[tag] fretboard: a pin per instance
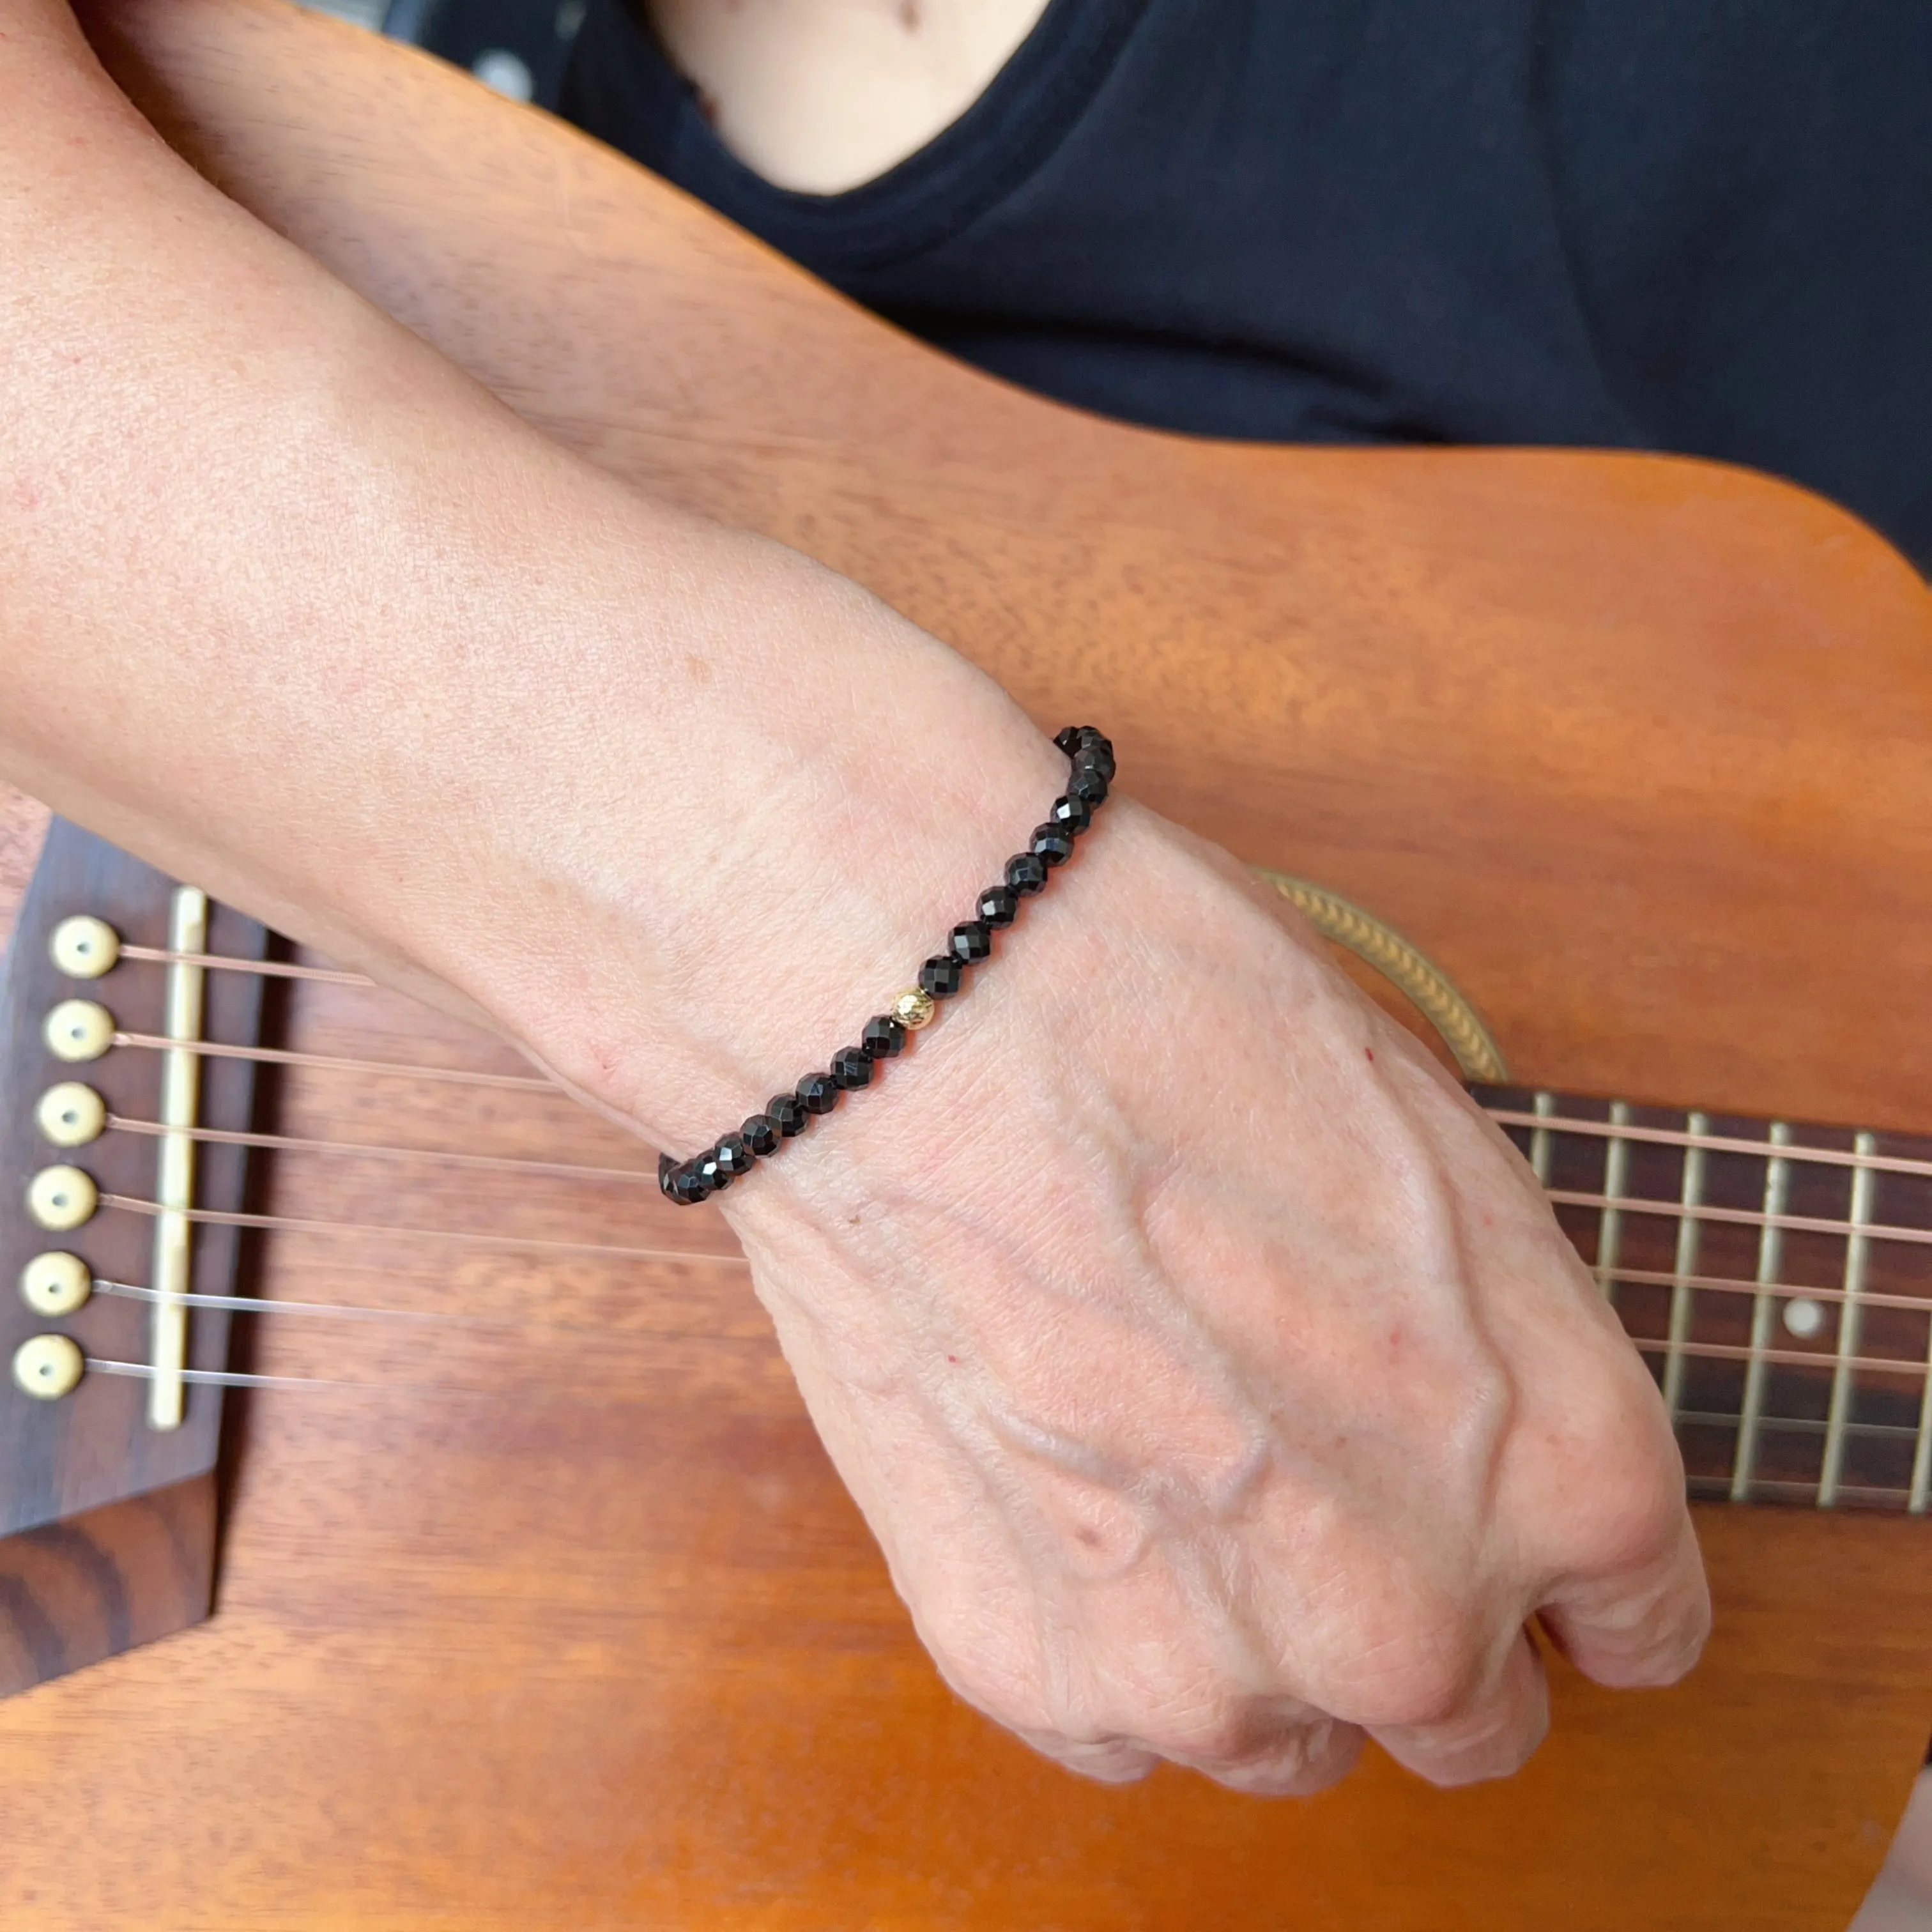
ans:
(1778, 1278)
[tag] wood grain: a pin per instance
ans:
(568, 1622)
(571, 1624)
(105, 1581)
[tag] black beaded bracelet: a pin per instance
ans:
(789, 1114)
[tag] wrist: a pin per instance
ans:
(764, 861)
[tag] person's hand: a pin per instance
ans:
(1213, 1374)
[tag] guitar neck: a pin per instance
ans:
(1778, 1278)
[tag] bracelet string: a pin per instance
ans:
(787, 1115)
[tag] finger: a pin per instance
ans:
(1638, 1625)
(1491, 1736)
(1307, 1757)
(1107, 1760)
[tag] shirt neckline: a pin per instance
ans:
(1021, 116)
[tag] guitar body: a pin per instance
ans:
(565, 1621)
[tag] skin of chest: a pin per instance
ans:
(822, 95)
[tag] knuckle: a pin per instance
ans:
(1215, 1733)
(1632, 1516)
(1415, 1678)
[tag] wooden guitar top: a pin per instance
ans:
(590, 1636)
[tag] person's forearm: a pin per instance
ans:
(292, 606)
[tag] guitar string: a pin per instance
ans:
(278, 1056)
(1503, 1116)
(262, 1304)
(296, 1144)
(244, 1378)
(1548, 1123)
(267, 969)
(570, 1170)
(1617, 1132)
(1793, 1154)
(1650, 1345)
(1627, 1204)
(1738, 1217)
(1822, 1357)
(1635, 1276)
(217, 1217)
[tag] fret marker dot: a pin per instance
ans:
(1804, 1317)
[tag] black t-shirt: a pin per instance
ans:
(1703, 226)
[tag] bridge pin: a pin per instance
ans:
(48, 1367)
(61, 1198)
(56, 1284)
(84, 947)
(71, 1115)
(78, 1030)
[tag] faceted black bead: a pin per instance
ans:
(884, 1037)
(942, 976)
(733, 1155)
(787, 1112)
(1026, 872)
(688, 1186)
(819, 1093)
(1068, 738)
(712, 1170)
(970, 943)
(998, 905)
(760, 1134)
(1088, 784)
(1075, 814)
(852, 1066)
(666, 1174)
(1053, 843)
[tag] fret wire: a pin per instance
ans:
(217, 1217)
(227, 962)
(1545, 1107)
(1744, 1217)
(1610, 1222)
(1690, 1232)
(274, 1056)
(1809, 1156)
(1764, 1313)
(1922, 1453)
(1857, 1249)
(294, 1144)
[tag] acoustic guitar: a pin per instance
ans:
(534, 1602)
